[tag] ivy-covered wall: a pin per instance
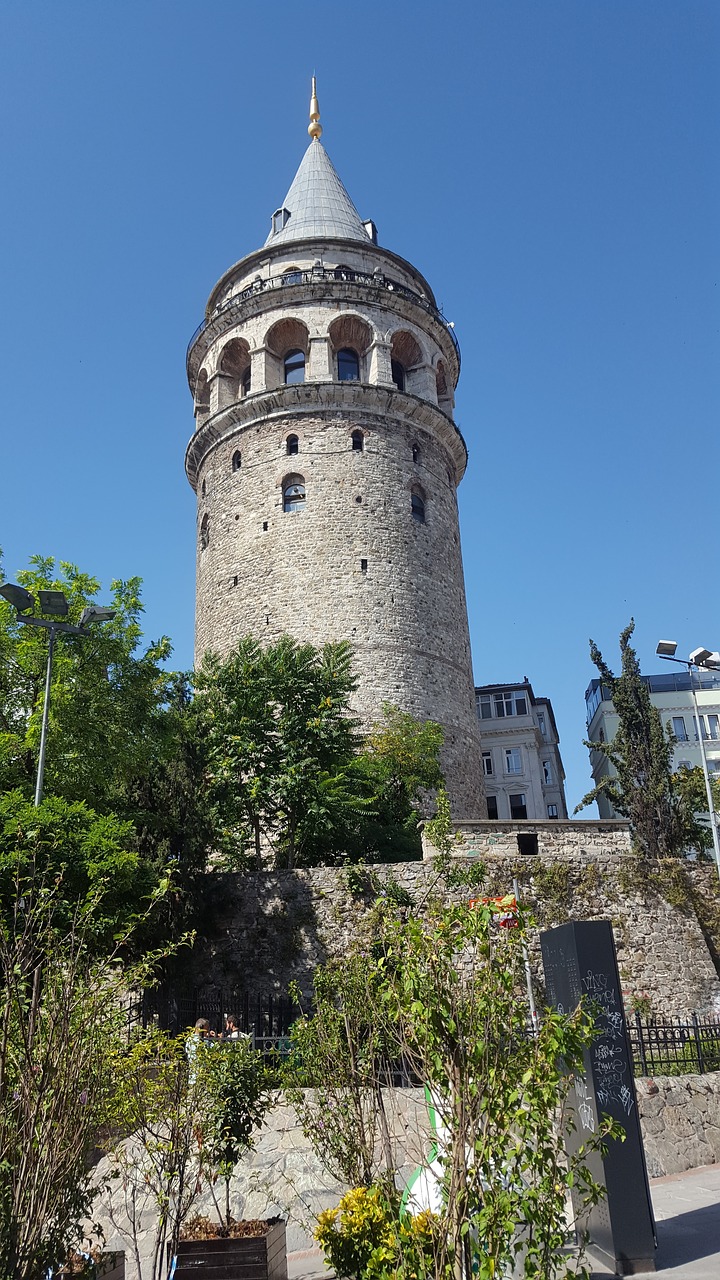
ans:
(260, 931)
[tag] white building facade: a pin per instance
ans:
(522, 767)
(673, 697)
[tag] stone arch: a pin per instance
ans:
(202, 396)
(233, 368)
(282, 337)
(406, 359)
(349, 332)
(444, 394)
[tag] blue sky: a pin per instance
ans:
(550, 166)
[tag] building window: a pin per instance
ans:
(713, 727)
(487, 762)
(236, 460)
(358, 441)
(518, 808)
(513, 760)
(485, 706)
(547, 773)
(679, 729)
(685, 764)
(552, 811)
(279, 220)
(398, 374)
(292, 276)
(416, 453)
(292, 446)
(541, 723)
(246, 381)
(205, 532)
(294, 366)
(204, 489)
(492, 807)
(348, 365)
(510, 704)
(294, 494)
(417, 505)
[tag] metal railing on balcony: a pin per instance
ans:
(317, 275)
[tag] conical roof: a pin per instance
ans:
(317, 203)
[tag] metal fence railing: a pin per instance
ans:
(674, 1046)
(266, 1018)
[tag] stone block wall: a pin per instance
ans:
(680, 1118)
(261, 931)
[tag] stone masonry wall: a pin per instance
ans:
(260, 931)
(680, 1118)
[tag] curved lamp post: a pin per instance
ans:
(53, 603)
(699, 658)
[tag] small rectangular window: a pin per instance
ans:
(541, 723)
(552, 811)
(520, 704)
(518, 808)
(485, 707)
(513, 760)
(492, 807)
(487, 764)
(363, 566)
(547, 773)
(713, 726)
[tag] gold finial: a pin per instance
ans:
(314, 127)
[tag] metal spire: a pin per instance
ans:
(314, 127)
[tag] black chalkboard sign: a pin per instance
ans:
(580, 964)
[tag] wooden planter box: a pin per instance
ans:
(242, 1258)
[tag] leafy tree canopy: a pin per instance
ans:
(85, 859)
(107, 691)
(642, 787)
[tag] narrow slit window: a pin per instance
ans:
(417, 505)
(292, 446)
(236, 460)
(358, 441)
(205, 533)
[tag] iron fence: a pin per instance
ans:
(265, 1018)
(674, 1046)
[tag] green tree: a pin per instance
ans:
(80, 858)
(399, 766)
(107, 692)
(280, 742)
(443, 995)
(641, 787)
(689, 784)
(63, 1020)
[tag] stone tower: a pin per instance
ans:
(325, 461)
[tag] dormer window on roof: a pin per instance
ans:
(280, 219)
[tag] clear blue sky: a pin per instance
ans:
(551, 168)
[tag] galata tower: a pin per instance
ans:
(326, 461)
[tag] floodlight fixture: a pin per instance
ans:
(18, 597)
(96, 613)
(53, 602)
(700, 656)
(666, 648)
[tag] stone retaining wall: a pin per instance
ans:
(260, 931)
(680, 1118)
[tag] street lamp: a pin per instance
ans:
(710, 662)
(55, 603)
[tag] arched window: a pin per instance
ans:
(417, 504)
(348, 363)
(398, 374)
(205, 532)
(294, 366)
(416, 452)
(358, 441)
(293, 491)
(246, 382)
(292, 446)
(236, 460)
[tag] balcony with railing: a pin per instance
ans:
(377, 283)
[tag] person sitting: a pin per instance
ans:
(232, 1029)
